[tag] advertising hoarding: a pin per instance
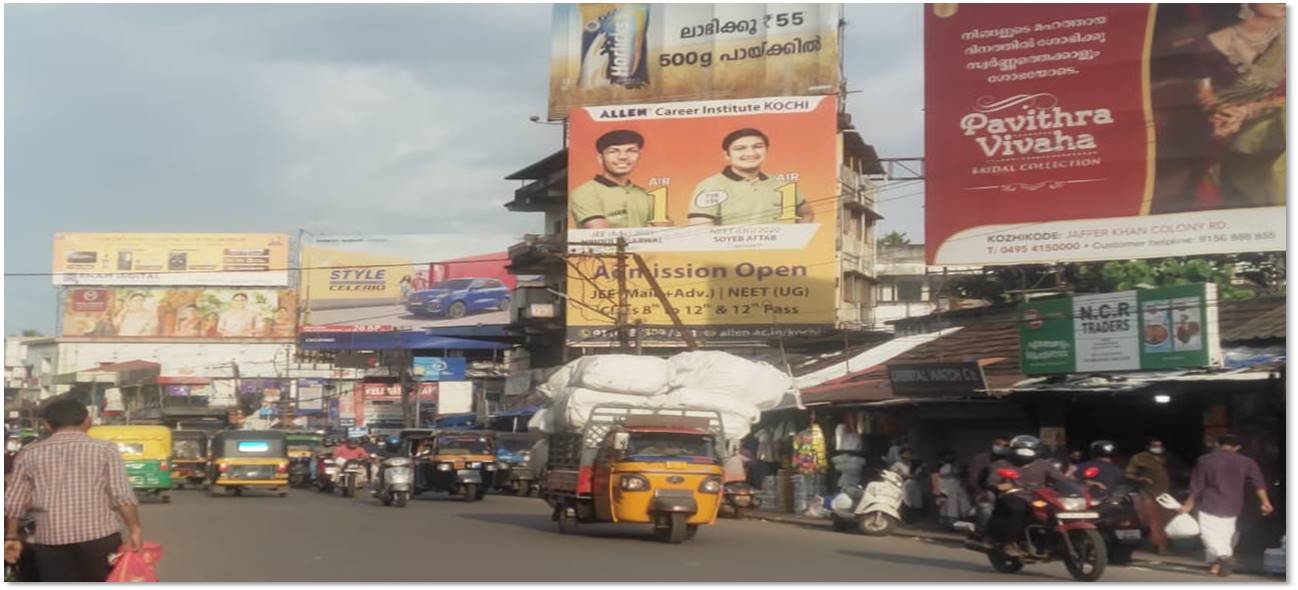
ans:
(1072, 132)
(732, 204)
(397, 282)
(1150, 329)
(166, 259)
(215, 313)
(604, 54)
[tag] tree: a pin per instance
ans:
(894, 239)
(30, 333)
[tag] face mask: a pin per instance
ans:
(998, 450)
(1156, 450)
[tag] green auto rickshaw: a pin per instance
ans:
(147, 453)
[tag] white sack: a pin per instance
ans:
(540, 456)
(757, 383)
(708, 400)
(558, 381)
(540, 421)
(1182, 526)
(573, 405)
(622, 373)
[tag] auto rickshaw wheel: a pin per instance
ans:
(522, 489)
(471, 492)
(691, 531)
(567, 521)
(180, 486)
(676, 528)
(400, 498)
(283, 493)
(238, 491)
(214, 490)
(166, 498)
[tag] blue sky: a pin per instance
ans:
(327, 118)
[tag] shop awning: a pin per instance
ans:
(867, 360)
(1130, 382)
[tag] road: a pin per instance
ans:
(396, 315)
(311, 537)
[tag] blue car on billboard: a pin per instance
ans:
(456, 298)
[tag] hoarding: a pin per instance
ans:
(603, 54)
(398, 282)
(1072, 132)
(150, 313)
(732, 204)
(1149, 329)
(432, 368)
(166, 259)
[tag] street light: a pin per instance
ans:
(1162, 398)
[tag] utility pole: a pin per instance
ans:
(621, 317)
(623, 312)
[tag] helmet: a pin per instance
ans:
(1024, 448)
(1103, 448)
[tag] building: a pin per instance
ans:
(909, 288)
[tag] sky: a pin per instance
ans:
(324, 118)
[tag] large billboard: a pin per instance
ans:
(603, 54)
(152, 313)
(163, 259)
(1070, 132)
(732, 204)
(397, 282)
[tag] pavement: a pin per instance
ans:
(313, 537)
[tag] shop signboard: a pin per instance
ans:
(959, 379)
(1149, 329)
(434, 368)
(381, 283)
(200, 313)
(606, 54)
(310, 396)
(732, 204)
(1074, 132)
(162, 259)
(454, 397)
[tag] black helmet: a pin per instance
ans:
(1024, 448)
(1103, 448)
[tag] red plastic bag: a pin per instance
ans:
(136, 565)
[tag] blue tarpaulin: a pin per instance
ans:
(457, 421)
(524, 411)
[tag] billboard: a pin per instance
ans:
(152, 313)
(164, 259)
(433, 368)
(399, 282)
(604, 54)
(1150, 329)
(732, 204)
(1071, 132)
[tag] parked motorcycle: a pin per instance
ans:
(1061, 525)
(737, 498)
(874, 510)
(395, 481)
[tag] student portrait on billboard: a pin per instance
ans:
(741, 194)
(611, 199)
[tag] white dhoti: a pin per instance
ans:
(1219, 536)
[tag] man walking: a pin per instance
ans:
(1149, 470)
(76, 487)
(1217, 488)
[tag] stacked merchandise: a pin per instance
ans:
(766, 495)
(736, 388)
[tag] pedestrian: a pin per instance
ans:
(76, 487)
(1217, 488)
(1149, 470)
(912, 494)
(949, 491)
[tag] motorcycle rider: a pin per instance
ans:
(1110, 475)
(978, 490)
(352, 451)
(1012, 505)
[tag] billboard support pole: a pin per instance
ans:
(662, 298)
(623, 310)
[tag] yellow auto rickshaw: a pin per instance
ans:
(146, 451)
(188, 457)
(248, 459)
(655, 466)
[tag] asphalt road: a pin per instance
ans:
(311, 537)
(397, 315)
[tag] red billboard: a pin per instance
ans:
(1068, 132)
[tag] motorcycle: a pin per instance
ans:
(326, 474)
(353, 476)
(1119, 523)
(1061, 525)
(737, 498)
(874, 510)
(395, 481)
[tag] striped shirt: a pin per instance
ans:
(72, 484)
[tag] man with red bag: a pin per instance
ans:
(76, 487)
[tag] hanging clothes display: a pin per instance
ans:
(806, 459)
(849, 468)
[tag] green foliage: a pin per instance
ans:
(894, 239)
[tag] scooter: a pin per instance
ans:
(1061, 525)
(874, 510)
(737, 498)
(395, 481)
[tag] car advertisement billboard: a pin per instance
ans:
(732, 205)
(604, 54)
(165, 259)
(1072, 132)
(151, 313)
(400, 282)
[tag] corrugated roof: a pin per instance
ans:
(1249, 320)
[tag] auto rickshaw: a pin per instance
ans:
(147, 453)
(514, 456)
(248, 459)
(657, 466)
(188, 457)
(454, 461)
(302, 449)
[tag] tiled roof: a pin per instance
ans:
(1250, 320)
